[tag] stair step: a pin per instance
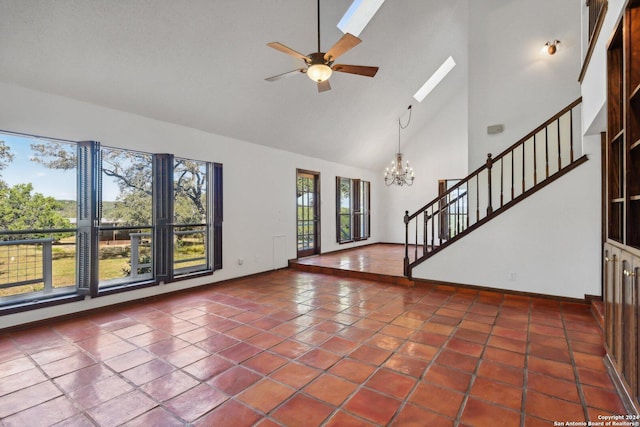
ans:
(385, 278)
(597, 308)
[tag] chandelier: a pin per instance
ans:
(399, 174)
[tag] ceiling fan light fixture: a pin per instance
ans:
(319, 72)
(551, 47)
(320, 65)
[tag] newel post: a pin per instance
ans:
(489, 166)
(406, 243)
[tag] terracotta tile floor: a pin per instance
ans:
(303, 349)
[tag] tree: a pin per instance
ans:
(20, 209)
(189, 181)
(133, 208)
(5, 158)
(133, 173)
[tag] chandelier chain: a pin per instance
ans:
(400, 127)
(408, 121)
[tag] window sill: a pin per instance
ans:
(37, 303)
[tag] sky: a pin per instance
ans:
(58, 184)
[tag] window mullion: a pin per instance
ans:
(217, 216)
(356, 210)
(87, 217)
(163, 217)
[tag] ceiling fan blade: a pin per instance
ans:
(287, 74)
(360, 70)
(284, 49)
(345, 44)
(324, 86)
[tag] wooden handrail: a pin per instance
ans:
(540, 128)
(556, 129)
(597, 12)
(501, 155)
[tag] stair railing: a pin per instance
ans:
(502, 181)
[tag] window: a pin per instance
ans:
(91, 219)
(126, 217)
(352, 209)
(191, 216)
(37, 218)
(453, 217)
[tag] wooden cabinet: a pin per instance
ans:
(615, 137)
(632, 116)
(621, 266)
(621, 270)
(623, 130)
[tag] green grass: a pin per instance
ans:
(20, 264)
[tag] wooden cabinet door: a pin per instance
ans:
(634, 279)
(613, 308)
(608, 269)
(627, 358)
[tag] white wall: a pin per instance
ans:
(259, 183)
(511, 82)
(547, 244)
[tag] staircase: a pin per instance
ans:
(538, 159)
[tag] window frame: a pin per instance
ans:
(359, 215)
(89, 200)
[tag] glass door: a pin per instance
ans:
(308, 212)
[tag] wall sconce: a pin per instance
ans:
(551, 47)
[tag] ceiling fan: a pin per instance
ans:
(320, 65)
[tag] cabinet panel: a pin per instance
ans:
(635, 280)
(628, 336)
(609, 270)
(621, 296)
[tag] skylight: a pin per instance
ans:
(435, 79)
(358, 16)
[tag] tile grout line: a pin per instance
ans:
(404, 401)
(458, 419)
(574, 367)
(39, 368)
(525, 373)
(429, 365)
(120, 375)
(360, 386)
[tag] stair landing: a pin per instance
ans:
(381, 262)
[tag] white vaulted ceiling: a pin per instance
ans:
(202, 64)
